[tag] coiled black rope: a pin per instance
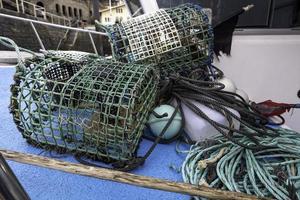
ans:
(210, 93)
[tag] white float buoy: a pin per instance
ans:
(198, 128)
(243, 94)
(229, 84)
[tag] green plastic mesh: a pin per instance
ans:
(178, 39)
(83, 103)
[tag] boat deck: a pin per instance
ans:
(42, 184)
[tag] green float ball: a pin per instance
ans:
(157, 124)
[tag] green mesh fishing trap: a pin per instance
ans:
(83, 103)
(178, 39)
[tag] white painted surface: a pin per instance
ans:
(117, 13)
(199, 129)
(266, 67)
(3, 65)
(149, 6)
(11, 57)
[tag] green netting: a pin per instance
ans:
(83, 103)
(178, 39)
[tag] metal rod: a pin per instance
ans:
(1, 4)
(17, 5)
(136, 12)
(37, 35)
(127, 178)
(34, 11)
(44, 14)
(93, 43)
(53, 25)
(60, 41)
(10, 187)
(22, 5)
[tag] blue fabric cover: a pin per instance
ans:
(42, 184)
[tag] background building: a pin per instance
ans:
(116, 12)
(63, 12)
(78, 9)
(54, 11)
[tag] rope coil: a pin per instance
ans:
(273, 172)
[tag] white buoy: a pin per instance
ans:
(229, 84)
(199, 129)
(243, 94)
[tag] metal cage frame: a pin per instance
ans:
(83, 104)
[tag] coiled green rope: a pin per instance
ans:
(273, 172)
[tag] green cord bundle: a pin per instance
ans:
(273, 172)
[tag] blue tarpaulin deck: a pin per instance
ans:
(42, 184)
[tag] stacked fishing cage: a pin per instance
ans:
(83, 103)
(178, 39)
(90, 105)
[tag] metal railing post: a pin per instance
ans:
(34, 11)
(12, 188)
(22, 5)
(93, 43)
(17, 4)
(52, 25)
(37, 36)
(69, 27)
(44, 13)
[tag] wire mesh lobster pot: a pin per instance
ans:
(178, 39)
(83, 104)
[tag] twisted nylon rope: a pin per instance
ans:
(272, 172)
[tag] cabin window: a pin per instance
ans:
(80, 13)
(40, 4)
(70, 12)
(64, 10)
(57, 8)
(119, 10)
(75, 12)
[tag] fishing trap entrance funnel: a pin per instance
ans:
(178, 39)
(84, 104)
